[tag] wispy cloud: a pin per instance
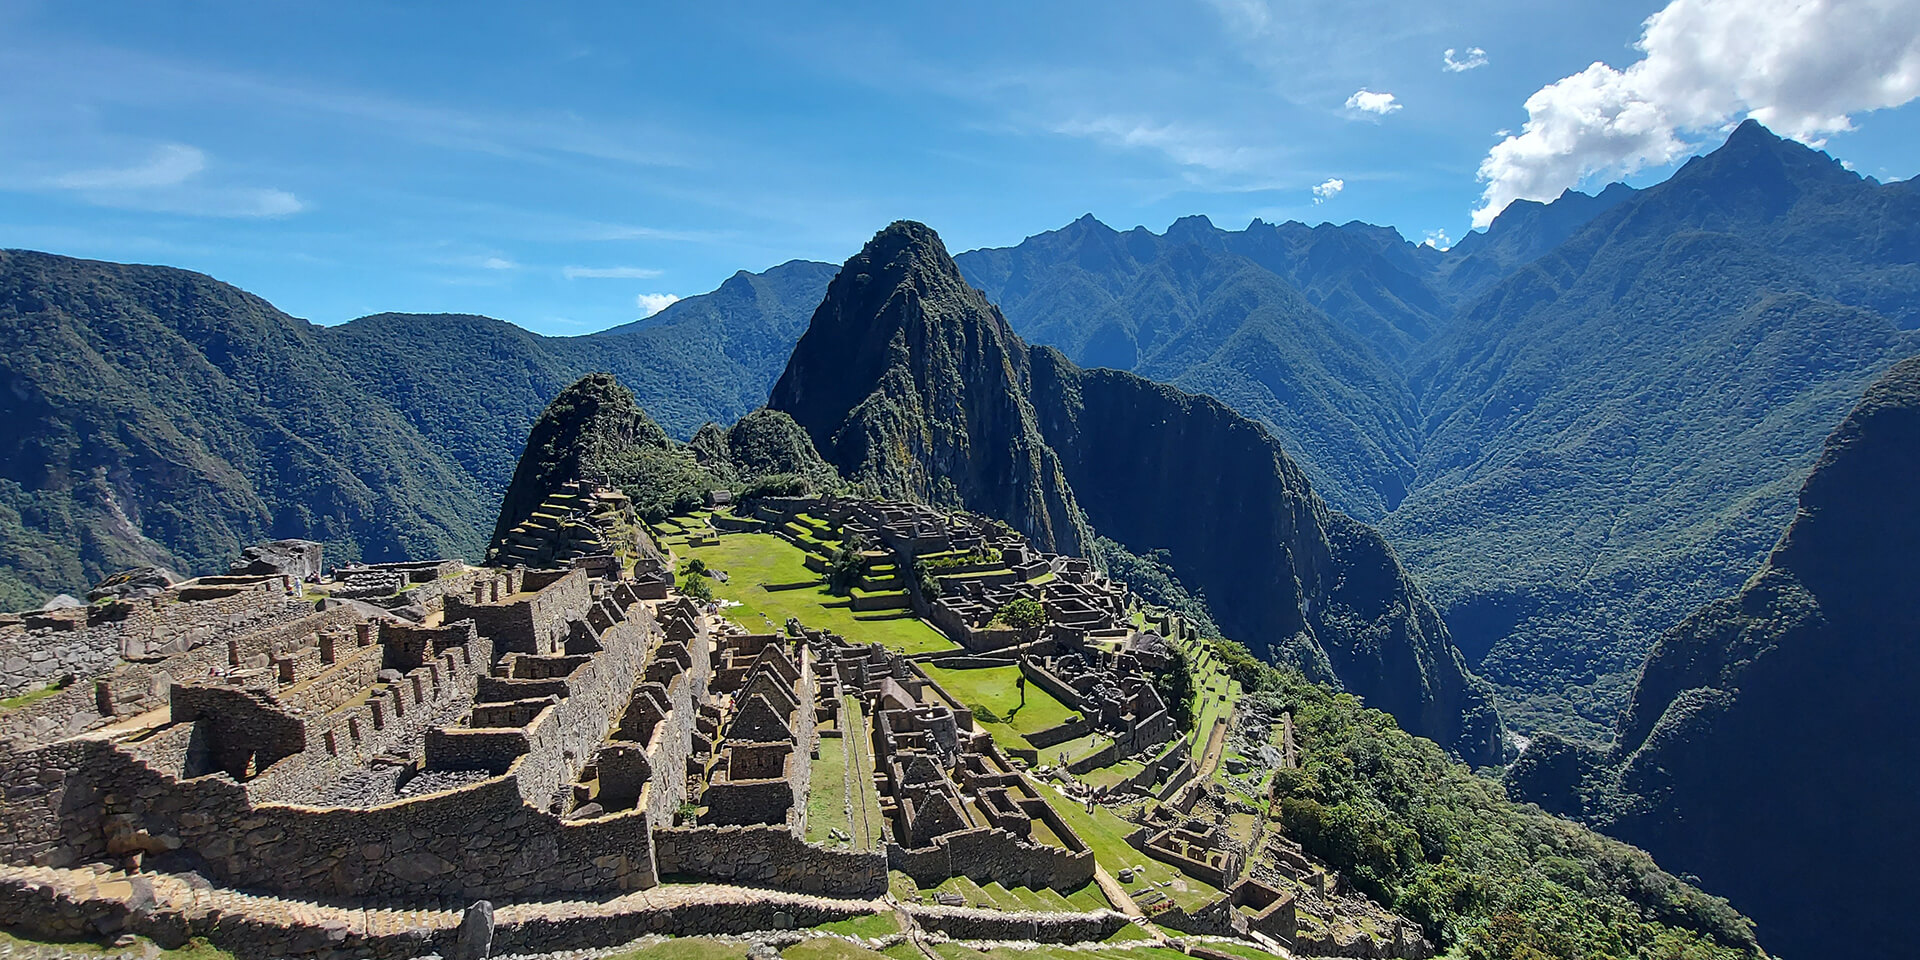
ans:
(652, 303)
(1474, 59)
(1368, 101)
(609, 273)
(1327, 190)
(498, 263)
(1185, 145)
(169, 179)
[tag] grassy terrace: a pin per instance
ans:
(1106, 834)
(753, 560)
(841, 794)
(994, 688)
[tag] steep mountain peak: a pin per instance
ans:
(909, 381)
(1757, 164)
(1191, 228)
(581, 435)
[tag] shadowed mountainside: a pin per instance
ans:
(1768, 735)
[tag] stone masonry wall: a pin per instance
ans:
(147, 628)
(768, 856)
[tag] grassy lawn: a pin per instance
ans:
(872, 926)
(1106, 834)
(196, 949)
(993, 688)
(1111, 951)
(687, 948)
(827, 792)
(753, 559)
(830, 948)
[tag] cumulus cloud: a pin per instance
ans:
(1328, 189)
(1367, 101)
(169, 180)
(609, 273)
(652, 303)
(1802, 67)
(1437, 239)
(1474, 59)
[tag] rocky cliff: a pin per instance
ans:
(913, 385)
(908, 378)
(1769, 734)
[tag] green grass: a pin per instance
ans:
(993, 688)
(16, 702)
(1106, 835)
(1113, 951)
(827, 791)
(687, 948)
(196, 949)
(753, 559)
(830, 948)
(871, 926)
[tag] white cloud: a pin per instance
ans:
(169, 180)
(1184, 145)
(498, 263)
(609, 273)
(652, 303)
(170, 165)
(1801, 67)
(1437, 239)
(1475, 59)
(1328, 189)
(1367, 101)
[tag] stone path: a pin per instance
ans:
(1124, 900)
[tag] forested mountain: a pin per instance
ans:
(1613, 433)
(1768, 735)
(154, 415)
(908, 377)
(1574, 427)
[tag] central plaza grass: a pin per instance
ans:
(1106, 835)
(754, 560)
(995, 689)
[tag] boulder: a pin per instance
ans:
(474, 939)
(61, 602)
(131, 584)
(299, 558)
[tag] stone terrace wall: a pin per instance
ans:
(992, 855)
(137, 687)
(147, 628)
(84, 800)
(962, 923)
(564, 737)
(528, 622)
(769, 856)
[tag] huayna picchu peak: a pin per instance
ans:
(912, 383)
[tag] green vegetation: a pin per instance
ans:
(754, 561)
(195, 949)
(687, 948)
(20, 700)
(1429, 840)
(1015, 709)
(1024, 614)
(1175, 686)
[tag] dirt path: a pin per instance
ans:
(1216, 744)
(1118, 894)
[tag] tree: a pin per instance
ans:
(844, 566)
(1024, 614)
(695, 585)
(1175, 686)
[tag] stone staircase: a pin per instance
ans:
(569, 524)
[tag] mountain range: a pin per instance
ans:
(1573, 428)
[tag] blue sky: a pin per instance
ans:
(566, 167)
